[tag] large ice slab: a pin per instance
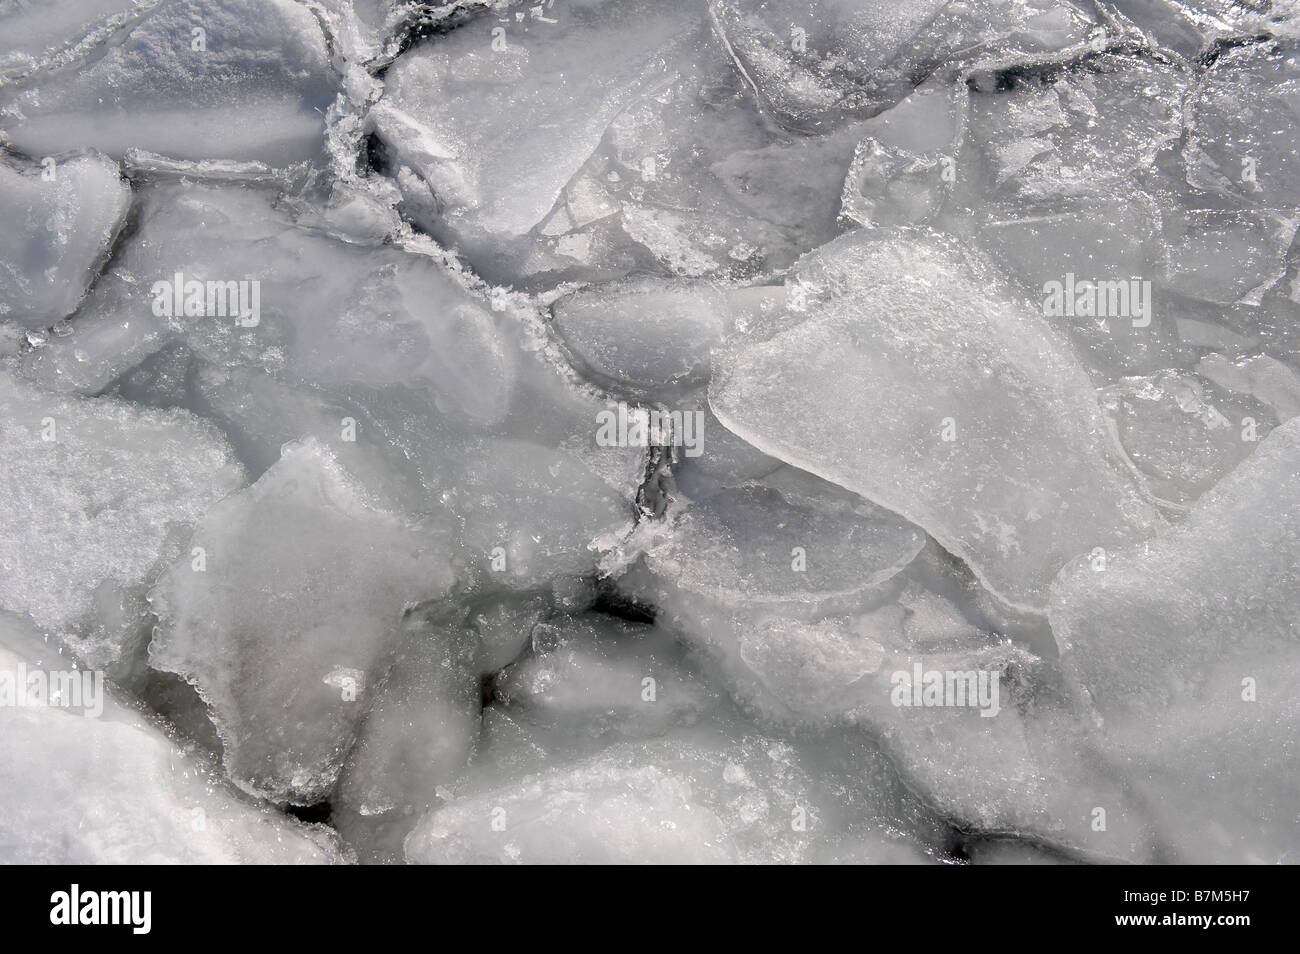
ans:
(37, 36)
(327, 313)
(1242, 140)
(913, 380)
(494, 119)
(61, 218)
(813, 65)
(1015, 759)
(677, 801)
(221, 79)
(1186, 647)
(97, 493)
(114, 789)
(1142, 632)
(280, 611)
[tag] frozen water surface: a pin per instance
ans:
(698, 431)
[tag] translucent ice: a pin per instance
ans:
(649, 336)
(1181, 433)
(328, 313)
(529, 514)
(1186, 648)
(60, 219)
(1053, 132)
(34, 36)
(1242, 121)
(759, 546)
(911, 379)
(281, 609)
(702, 184)
(1263, 378)
(904, 166)
(814, 64)
(417, 734)
(1193, 27)
(1017, 760)
(494, 120)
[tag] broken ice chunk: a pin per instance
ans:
(224, 269)
(60, 220)
(688, 174)
(1193, 27)
(494, 118)
(961, 410)
(1214, 769)
(260, 415)
(1083, 245)
(114, 789)
(757, 545)
(278, 612)
(1242, 139)
(708, 188)
(1053, 131)
(905, 165)
(1186, 647)
(529, 514)
(1141, 632)
(504, 625)
(1180, 434)
(725, 461)
(1265, 379)
(594, 675)
(677, 801)
(96, 493)
(55, 32)
(813, 65)
(219, 79)
(988, 754)
(647, 335)
(1226, 257)
(417, 735)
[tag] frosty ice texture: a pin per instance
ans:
(981, 542)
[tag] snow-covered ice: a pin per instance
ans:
(98, 493)
(116, 789)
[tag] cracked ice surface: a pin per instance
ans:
(698, 431)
